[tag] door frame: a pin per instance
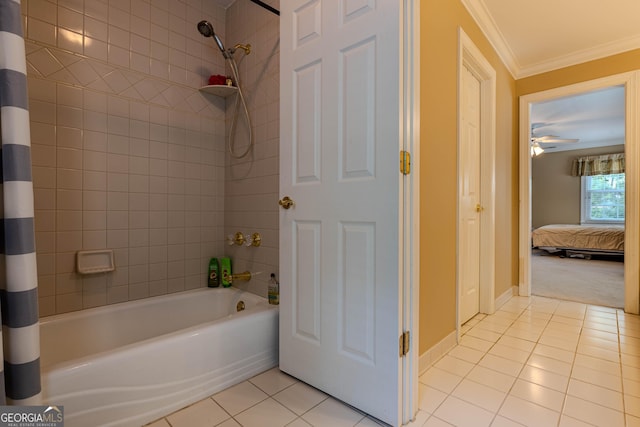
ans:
(410, 233)
(630, 81)
(470, 56)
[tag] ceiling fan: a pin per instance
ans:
(536, 141)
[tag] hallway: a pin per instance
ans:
(538, 362)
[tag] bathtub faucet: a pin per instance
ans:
(241, 277)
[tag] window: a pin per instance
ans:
(603, 198)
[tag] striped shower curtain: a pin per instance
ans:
(18, 275)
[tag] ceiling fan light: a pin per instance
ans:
(536, 149)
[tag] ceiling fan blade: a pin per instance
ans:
(559, 141)
(546, 139)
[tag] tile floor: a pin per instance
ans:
(536, 362)
(271, 399)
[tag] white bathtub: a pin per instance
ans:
(131, 363)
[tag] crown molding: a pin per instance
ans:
(581, 56)
(479, 12)
(482, 17)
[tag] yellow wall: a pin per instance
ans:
(609, 66)
(440, 20)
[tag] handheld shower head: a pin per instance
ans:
(206, 29)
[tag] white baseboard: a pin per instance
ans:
(431, 356)
(434, 354)
(506, 296)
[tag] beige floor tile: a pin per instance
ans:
(484, 334)
(528, 413)
(631, 387)
(600, 378)
(232, 423)
(430, 398)
(501, 421)
(598, 342)
(632, 405)
(599, 352)
(300, 397)
(463, 414)
(545, 378)
(332, 413)
(517, 343)
(509, 353)
(631, 372)
(630, 360)
(603, 327)
(538, 394)
(609, 336)
(476, 343)
(239, 397)
(563, 343)
(272, 381)
(480, 395)
(549, 364)
(632, 421)
(454, 365)
(440, 380)
(436, 422)
(205, 412)
(592, 413)
(267, 413)
(596, 394)
(491, 378)
(467, 354)
(612, 368)
(566, 421)
(554, 353)
(159, 423)
(500, 364)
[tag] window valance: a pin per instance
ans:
(605, 164)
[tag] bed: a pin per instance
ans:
(588, 239)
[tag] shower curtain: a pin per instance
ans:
(18, 275)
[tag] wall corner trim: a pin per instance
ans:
(506, 296)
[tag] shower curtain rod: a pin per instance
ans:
(266, 6)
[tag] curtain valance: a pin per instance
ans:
(605, 164)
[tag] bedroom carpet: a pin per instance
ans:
(594, 281)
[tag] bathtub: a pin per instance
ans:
(128, 364)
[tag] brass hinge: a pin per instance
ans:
(404, 343)
(405, 162)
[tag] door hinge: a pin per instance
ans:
(405, 162)
(404, 343)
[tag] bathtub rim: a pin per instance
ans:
(262, 306)
(119, 306)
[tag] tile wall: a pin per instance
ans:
(251, 184)
(127, 154)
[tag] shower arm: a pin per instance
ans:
(245, 47)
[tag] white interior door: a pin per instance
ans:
(469, 196)
(339, 242)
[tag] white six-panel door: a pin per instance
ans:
(469, 188)
(339, 242)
